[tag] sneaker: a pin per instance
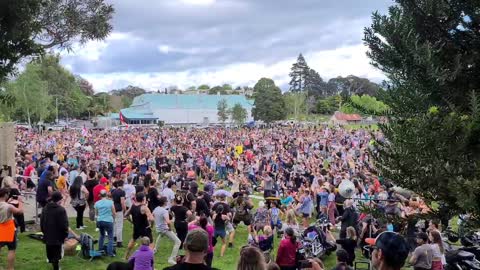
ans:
(84, 227)
(97, 229)
(172, 261)
(230, 245)
(81, 228)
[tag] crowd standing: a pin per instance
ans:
(192, 185)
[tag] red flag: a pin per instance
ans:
(122, 120)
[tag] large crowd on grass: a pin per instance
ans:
(194, 187)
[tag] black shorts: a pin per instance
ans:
(54, 253)
(144, 233)
(10, 245)
(247, 220)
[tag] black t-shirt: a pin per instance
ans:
(117, 195)
(180, 212)
(42, 190)
(89, 185)
(202, 207)
(226, 207)
(153, 200)
(188, 266)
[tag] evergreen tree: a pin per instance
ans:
(299, 74)
(430, 52)
(238, 114)
(269, 104)
(314, 84)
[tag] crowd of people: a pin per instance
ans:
(194, 187)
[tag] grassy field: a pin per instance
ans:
(31, 253)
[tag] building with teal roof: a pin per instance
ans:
(180, 109)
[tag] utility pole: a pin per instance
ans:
(28, 107)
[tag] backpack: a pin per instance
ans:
(87, 247)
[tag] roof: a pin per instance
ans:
(172, 101)
(347, 117)
(144, 106)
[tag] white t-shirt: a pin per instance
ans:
(129, 193)
(170, 195)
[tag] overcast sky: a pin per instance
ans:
(159, 43)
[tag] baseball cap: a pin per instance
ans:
(393, 246)
(196, 241)
(103, 193)
(56, 196)
(103, 180)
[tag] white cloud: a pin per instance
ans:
(198, 2)
(343, 61)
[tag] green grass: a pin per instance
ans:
(31, 253)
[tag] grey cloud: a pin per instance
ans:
(227, 32)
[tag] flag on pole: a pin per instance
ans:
(122, 119)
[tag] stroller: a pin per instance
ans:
(311, 242)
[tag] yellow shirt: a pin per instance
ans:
(239, 149)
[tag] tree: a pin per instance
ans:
(238, 114)
(295, 104)
(352, 85)
(328, 105)
(62, 86)
(85, 85)
(203, 87)
(29, 27)
(191, 88)
(222, 110)
(299, 73)
(430, 52)
(269, 104)
(32, 102)
(227, 87)
(314, 84)
(217, 90)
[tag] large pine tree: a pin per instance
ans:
(299, 74)
(430, 52)
(269, 104)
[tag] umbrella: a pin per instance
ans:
(222, 192)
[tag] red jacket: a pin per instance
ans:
(287, 252)
(96, 192)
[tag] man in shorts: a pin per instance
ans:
(242, 206)
(141, 218)
(8, 235)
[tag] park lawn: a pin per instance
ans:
(31, 253)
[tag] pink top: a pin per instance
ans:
(210, 235)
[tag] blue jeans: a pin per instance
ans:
(107, 227)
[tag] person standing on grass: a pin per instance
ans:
(8, 234)
(54, 225)
(118, 196)
(141, 217)
(90, 184)
(422, 257)
(163, 225)
(79, 194)
(105, 212)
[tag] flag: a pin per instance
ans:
(84, 131)
(122, 119)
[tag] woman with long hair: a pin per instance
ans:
(251, 259)
(180, 212)
(79, 195)
(438, 250)
(287, 250)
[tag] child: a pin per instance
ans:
(275, 215)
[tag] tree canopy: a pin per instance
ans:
(430, 52)
(238, 114)
(222, 110)
(29, 27)
(269, 104)
(299, 73)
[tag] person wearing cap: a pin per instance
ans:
(54, 226)
(196, 247)
(105, 212)
(101, 186)
(422, 257)
(390, 251)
